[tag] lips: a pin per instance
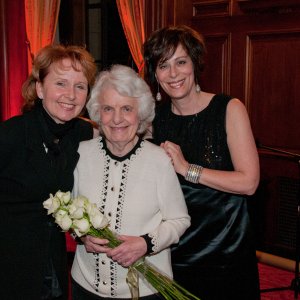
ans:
(176, 85)
(66, 105)
(118, 128)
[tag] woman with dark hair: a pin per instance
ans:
(38, 151)
(210, 142)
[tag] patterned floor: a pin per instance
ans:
(270, 278)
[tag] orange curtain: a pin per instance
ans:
(131, 14)
(41, 21)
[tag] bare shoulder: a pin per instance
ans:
(237, 114)
(235, 105)
(235, 101)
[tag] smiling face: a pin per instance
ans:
(119, 121)
(176, 75)
(63, 92)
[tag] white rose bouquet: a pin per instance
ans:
(82, 217)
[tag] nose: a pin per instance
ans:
(70, 93)
(173, 71)
(118, 116)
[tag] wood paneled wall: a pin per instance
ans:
(254, 54)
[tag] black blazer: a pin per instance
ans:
(28, 237)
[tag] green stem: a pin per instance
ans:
(107, 234)
(167, 287)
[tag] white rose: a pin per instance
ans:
(72, 208)
(66, 197)
(59, 215)
(89, 206)
(65, 223)
(52, 204)
(59, 194)
(98, 221)
(79, 201)
(47, 203)
(55, 206)
(77, 213)
(81, 226)
(92, 209)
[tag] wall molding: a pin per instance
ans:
(269, 6)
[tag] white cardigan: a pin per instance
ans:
(141, 195)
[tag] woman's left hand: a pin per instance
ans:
(174, 151)
(131, 250)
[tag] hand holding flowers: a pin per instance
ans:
(84, 218)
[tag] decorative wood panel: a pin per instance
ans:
(274, 206)
(153, 16)
(160, 13)
(267, 6)
(216, 76)
(272, 87)
(212, 8)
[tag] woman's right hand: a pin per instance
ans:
(95, 245)
(174, 152)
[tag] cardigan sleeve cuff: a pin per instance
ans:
(76, 238)
(149, 243)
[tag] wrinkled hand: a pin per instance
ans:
(95, 245)
(131, 250)
(174, 151)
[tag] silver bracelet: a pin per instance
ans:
(193, 173)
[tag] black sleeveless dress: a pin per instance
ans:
(215, 258)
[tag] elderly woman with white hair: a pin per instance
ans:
(133, 182)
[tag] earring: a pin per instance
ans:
(198, 89)
(158, 95)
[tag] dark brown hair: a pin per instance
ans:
(56, 54)
(162, 44)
